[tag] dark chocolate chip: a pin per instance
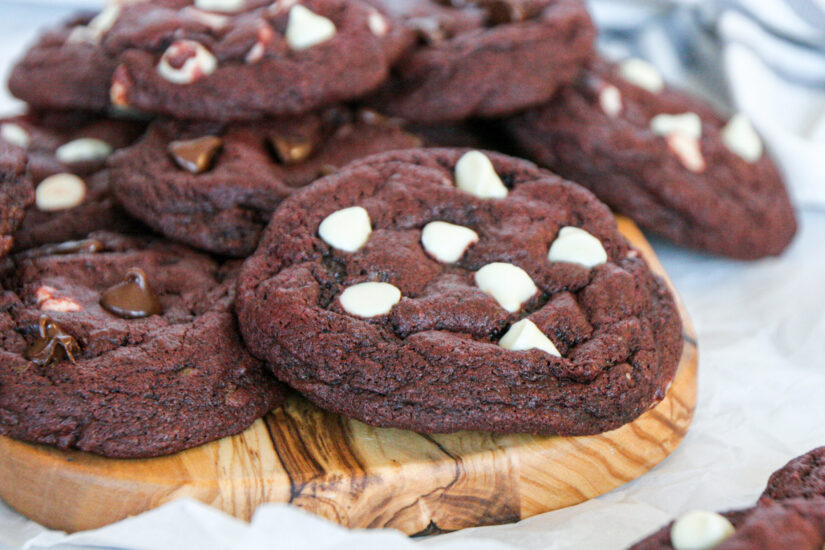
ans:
(291, 150)
(53, 344)
(429, 29)
(195, 155)
(133, 298)
(500, 12)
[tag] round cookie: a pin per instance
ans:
(16, 192)
(386, 293)
(212, 60)
(124, 347)
(215, 186)
(771, 525)
(484, 58)
(666, 160)
(65, 145)
(802, 477)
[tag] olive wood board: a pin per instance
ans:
(357, 475)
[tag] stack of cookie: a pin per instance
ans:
(207, 193)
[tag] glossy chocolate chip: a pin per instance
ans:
(500, 12)
(52, 344)
(291, 150)
(133, 298)
(195, 155)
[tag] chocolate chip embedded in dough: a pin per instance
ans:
(53, 344)
(195, 155)
(133, 298)
(291, 150)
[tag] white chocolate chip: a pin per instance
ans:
(199, 62)
(526, 335)
(577, 246)
(83, 150)
(117, 95)
(347, 229)
(688, 124)
(226, 6)
(15, 134)
(475, 174)
(700, 531)
(377, 23)
(212, 20)
(63, 305)
(97, 26)
(642, 74)
(688, 151)
(447, 242)
(59, 192)
(610, 99)
(510, 285)
(255, 53)
(741, 138)
(370, 299)
(682, 133)
(306, 29)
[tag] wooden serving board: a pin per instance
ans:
(354, 474)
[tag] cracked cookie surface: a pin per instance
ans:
(224, 206)
(483, 58)
(435, 361)
(692, 189)
(116, 386)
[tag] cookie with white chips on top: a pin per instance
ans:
(211, 59)
(447, 289)
(668, 161)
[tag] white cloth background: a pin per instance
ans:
(761, 329)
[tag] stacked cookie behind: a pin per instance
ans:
(429, 289)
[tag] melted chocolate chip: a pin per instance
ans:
(500, 12)
(86, 246)
(291, 150)
(52, 344)
(195, 155)
(133, 298)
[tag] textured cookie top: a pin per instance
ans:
(66, 153)
(665, 159)
(215, 186)
(233, 60)
(390, 293)
(16, 192)
(802, 477)
(483, 57)
(771, 525)
(124, 347)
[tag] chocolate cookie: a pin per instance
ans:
(124, 347)
(772, 525)
(500, 298)
(212, 59)
(802, 477)
(67, 152)
(666, 160)
(484, 58)
(16, 192)
(215, 186)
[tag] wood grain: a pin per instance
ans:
(354, 474)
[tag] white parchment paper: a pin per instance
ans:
(761, 329)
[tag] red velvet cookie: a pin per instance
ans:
(666, 160)
(66, 153)
(211, 59)
(484, 58)
(440, 290)
(124, 347)
(215, 186)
